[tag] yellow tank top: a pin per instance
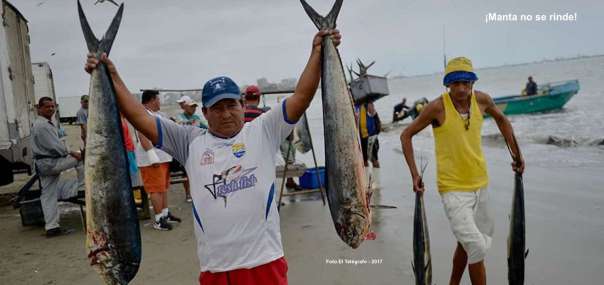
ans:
(460, 163)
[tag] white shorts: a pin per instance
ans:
(470, 221)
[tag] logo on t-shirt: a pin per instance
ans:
(238, 150)
(222, 144)
(230, 181)
(207, 157)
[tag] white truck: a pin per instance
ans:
(44, 85)
(68, 107)
(17, 101)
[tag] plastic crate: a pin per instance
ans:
(309, 179)
(369, 87)
(31, 213)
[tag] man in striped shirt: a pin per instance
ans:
(252, 111)
(252, 100)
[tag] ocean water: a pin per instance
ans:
(580, 123)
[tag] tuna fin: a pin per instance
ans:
(91, 41)
(327, 22)
(109, 36)
(526, 254)
(104, 45)
(413, 266)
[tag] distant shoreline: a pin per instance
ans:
(558, 59)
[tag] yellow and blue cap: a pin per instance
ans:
(459, 69)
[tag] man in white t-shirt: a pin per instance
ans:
(232, 171)
(154, 165)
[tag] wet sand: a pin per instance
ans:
(565, 232)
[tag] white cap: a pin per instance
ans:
(184, 99)
(190, 102)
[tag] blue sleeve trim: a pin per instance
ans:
(160, 134)
(269, 202)
(283, 108)
(197, 217)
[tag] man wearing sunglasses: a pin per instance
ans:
(456, 118)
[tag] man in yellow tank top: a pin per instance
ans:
(456, 118)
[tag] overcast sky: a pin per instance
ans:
(183, 43)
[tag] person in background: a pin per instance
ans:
(531, 87)
(417, 107)
(251, 97)
(187, 118)
(181, 101)
(400, 111)
(285, 147)
(51, 159)
(369, 128)
(154, 165)
(82, 117)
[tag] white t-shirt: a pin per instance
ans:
(233, 189)
(142, 159)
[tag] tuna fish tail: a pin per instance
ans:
(104, 45)
(91, 41)
(327, 22)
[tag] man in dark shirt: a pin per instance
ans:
(252, 111)
(531, 87)
(252, 100)
(400, 111)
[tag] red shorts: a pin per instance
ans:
(272, 273)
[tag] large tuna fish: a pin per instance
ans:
(113, 235)
(422, 261)
(346, 181)
(517, 236)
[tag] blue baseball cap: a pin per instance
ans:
(219, 88)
